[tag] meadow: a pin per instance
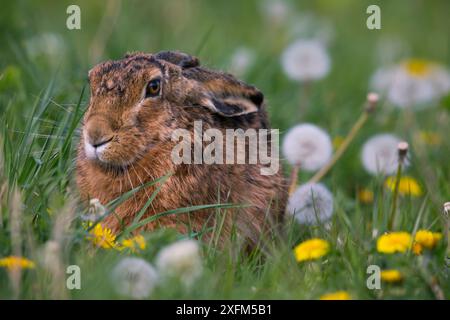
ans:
(44, 94)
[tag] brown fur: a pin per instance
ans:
(141, 145)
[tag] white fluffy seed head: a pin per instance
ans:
(241, 60)
(95, 212)
(380, 154)
(307, 146)
(306, 60)
(275, 11)
(447, 208)
(134, 277)
(311, 204)
(50, 45)
(181, 260)
(405, 86)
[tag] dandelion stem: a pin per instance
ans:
(447, 231)
(402, 153)
(337, 155)
(293, 179)
(305, 97)
(372, 100)
(432, 281)
(395, 196)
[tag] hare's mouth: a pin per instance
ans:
(106, 154)
(113, 156)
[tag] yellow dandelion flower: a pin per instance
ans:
(337, 141)
(429, 138)
(311, 249)
(365, 196)
(417, 249)
(338, 295)
(407, 186)
(427, 239)
(13, 262)
(137, 242)
(391, 276)
(418, 67)
(394, 242)
(102, 237)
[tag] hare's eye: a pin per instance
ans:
(153, 88)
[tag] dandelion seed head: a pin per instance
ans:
(447, 208)
(380, 154)
(307, 146)
(96, 211)
(275, 11)
(311, 204)
(389, 49)
(307, 24)
(134, 277)
(412, 83)
(306, 60)
(49, 45)
(181, 260)
(241, 60)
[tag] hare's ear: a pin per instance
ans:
(238, 101)
(180, 59)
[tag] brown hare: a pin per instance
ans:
(136, 104)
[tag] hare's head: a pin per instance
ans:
(138, 101)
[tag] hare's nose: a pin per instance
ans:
(98, 133)
(100, 142)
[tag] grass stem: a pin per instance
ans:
(293, 179)
(372, 100)
(342, 148)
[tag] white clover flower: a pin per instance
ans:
(181, 260)
(241, 60)
(412, 83)
(306, 60)
(134, 277)
(275, 11)
(380, 154)
(307, 146)
(311, 204)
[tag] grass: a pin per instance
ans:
(44, 95)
